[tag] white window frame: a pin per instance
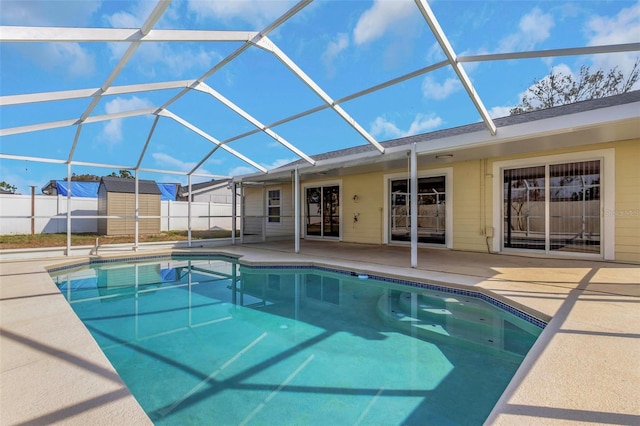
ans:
(303, 210)
(607, 197)
(268, 217)
(447, 172)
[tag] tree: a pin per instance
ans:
(123, 173)
(8, 187)
(560, 89)
(83, 178)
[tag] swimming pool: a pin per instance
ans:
(209, 341)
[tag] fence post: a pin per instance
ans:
(33, 209)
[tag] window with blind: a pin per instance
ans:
(273, 206)
(553, 207)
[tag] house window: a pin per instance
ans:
(431, 210)
(273, 206)
(553, 208)
(556, 204)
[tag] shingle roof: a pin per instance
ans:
(128, 186)
(184, 190)
(558, 111)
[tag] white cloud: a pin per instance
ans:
(245, 170)
(500, 111)
(534, 28)
(165, 160)
(383, 16)
(68, 59)
(621, 28)
(241, 170)
(256, 13)
(279, 163)
(421, 123)
(434, 90)
(47, 12)
(151, 57)
(333, 49)
(112, 130)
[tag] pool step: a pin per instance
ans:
(444, 325)
(464, 313)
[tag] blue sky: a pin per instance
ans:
(344, 46)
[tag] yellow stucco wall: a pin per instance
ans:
(472, 201)
(627, 211)
(368, 208)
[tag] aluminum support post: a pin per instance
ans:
(189, 214)
(234, 199)
(414, 207)
(68, 209)
(137, 218)
(296, 207)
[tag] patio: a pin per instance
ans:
(585, 367)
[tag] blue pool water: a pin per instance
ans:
(208, 341)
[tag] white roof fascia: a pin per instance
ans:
(169, 114)
(87, 93)
(16, 34)
(203, 87)
(537, 128)
(441, 37)
(269, 46)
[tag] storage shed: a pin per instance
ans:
(116, 197)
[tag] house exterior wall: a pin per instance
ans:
(367, 208)
(627, 211)
(220, 195)
(474, 211)
(253, 214)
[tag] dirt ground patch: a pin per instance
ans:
(60, 240)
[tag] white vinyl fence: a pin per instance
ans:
(50, 215)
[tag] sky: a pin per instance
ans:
(344, 46)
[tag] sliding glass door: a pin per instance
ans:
(553, 207)
(323, 211)
(431, 210)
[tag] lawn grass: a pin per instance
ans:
(60, 240)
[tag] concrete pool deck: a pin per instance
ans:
(584, 368)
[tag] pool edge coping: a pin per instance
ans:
(524, 312)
